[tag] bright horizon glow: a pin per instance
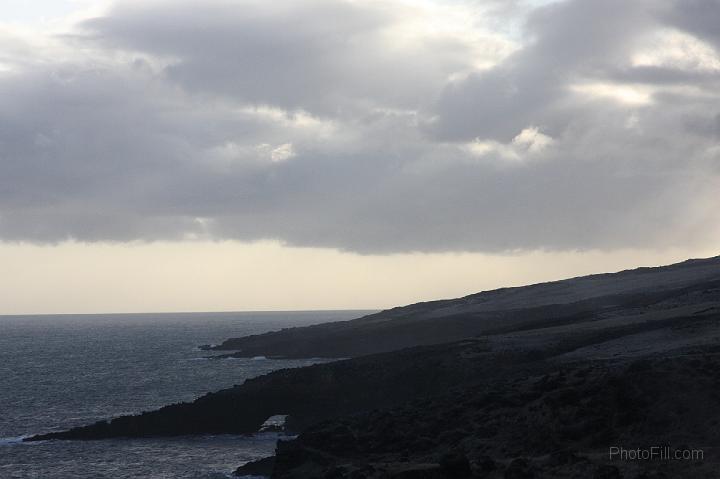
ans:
(75, 278)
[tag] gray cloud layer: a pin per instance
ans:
(364, 126)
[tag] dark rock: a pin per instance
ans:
(336, 472)
(562, 458)
(415, 471)
(364, 472)
(455, 465)
(652, 475)
(484, 465)
(607, 472)
(261, 467)
(519, 469)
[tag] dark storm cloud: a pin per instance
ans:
(323, 56)
(333, 123)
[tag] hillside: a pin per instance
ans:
(545, 380)
(568, 301)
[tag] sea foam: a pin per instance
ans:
(11, 441)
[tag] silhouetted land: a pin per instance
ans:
(538, 381)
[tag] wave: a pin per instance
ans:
(225, 475)
(204, 347)
(11, 441)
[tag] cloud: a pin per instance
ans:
(699, 18)
(322, 56)
(381, 126)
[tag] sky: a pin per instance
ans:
(186, 155)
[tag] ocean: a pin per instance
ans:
(61, 371)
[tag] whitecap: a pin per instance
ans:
(205, 347)
(10, 441)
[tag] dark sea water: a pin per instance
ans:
(62, 371)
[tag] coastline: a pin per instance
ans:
(376, 415)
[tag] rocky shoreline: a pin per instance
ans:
(527, 382)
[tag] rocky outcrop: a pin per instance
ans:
(260, 468)
(310, 394)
